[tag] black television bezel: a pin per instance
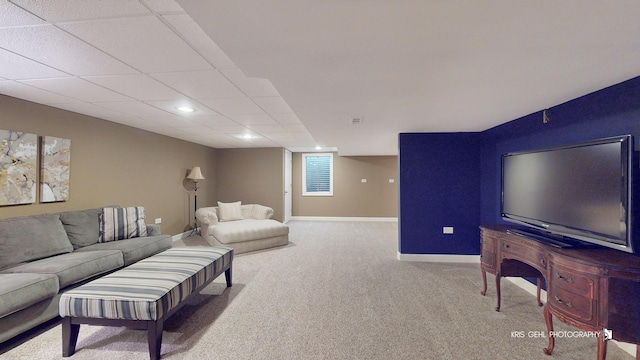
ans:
(555, 230)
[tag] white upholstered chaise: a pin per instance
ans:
(242, 227)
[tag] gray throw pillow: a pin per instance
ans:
(82, 226)
(30, 238)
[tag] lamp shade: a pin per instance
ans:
(195, 174)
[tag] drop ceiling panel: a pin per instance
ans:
(133, 63)
(295, 128)
(30, 93)
(213, 121)
(273, 104)
(95, 111)
(127, 120)
(253, 143)
(53, 47)
(252, 87)
(167, 121)
(286, 118)
(233, 106)
(134, 108)
(268, 129)
(199, 129)
(137, 86)
(17, 67)
(65, 10)
(217, 141)
(145, 43)
(163, 6)
(172, 107)
(76, 88)
(232, 129)
(193, 34)
(253, 119)
(287, 136)
(12, 15)
(200, 84)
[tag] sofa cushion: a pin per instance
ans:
(122, 223)
(230, 211)
(260, 212)
(82, 227)
(248, 229)
(19, 291)
(134, 249)
(30, 238)
(74, 267)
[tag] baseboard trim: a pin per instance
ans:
(338, 218)
(183, 235)
(439, 258)
(532, 289)
(528, 287)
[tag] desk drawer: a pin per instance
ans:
(572, 281)
(575, 306)
(524, 252)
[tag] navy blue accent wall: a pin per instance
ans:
(435, 169)
(439, 186)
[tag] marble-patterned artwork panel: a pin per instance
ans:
(18, 165)
(55, 169)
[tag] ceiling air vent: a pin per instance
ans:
(357, 121)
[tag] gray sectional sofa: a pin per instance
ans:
(42, 256)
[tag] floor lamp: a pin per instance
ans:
(195, 175)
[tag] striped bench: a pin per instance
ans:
(143, 295)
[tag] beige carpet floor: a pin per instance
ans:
(336, 291)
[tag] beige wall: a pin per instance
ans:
(351, 198)
(253, 176)
(113, 164)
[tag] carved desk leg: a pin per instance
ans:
(484, 283)
(549, 320)
(538, 292)
(602, 346)
(498, 276)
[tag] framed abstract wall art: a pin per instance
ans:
(54, 169)
(18, 165)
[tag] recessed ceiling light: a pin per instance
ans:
(185, 109)
(246, 136)
(318, 147)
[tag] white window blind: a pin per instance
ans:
(317, 174)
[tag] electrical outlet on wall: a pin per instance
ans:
(158, 220)
(447, 230)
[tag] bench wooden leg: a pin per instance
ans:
(227, 275)
(154, 337)
(69, 336)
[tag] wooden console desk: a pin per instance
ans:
(591, 289)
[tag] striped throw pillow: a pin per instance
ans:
(122, 223)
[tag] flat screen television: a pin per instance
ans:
(574, 195)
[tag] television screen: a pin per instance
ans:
(580, 191)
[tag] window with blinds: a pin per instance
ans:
(317, 174)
